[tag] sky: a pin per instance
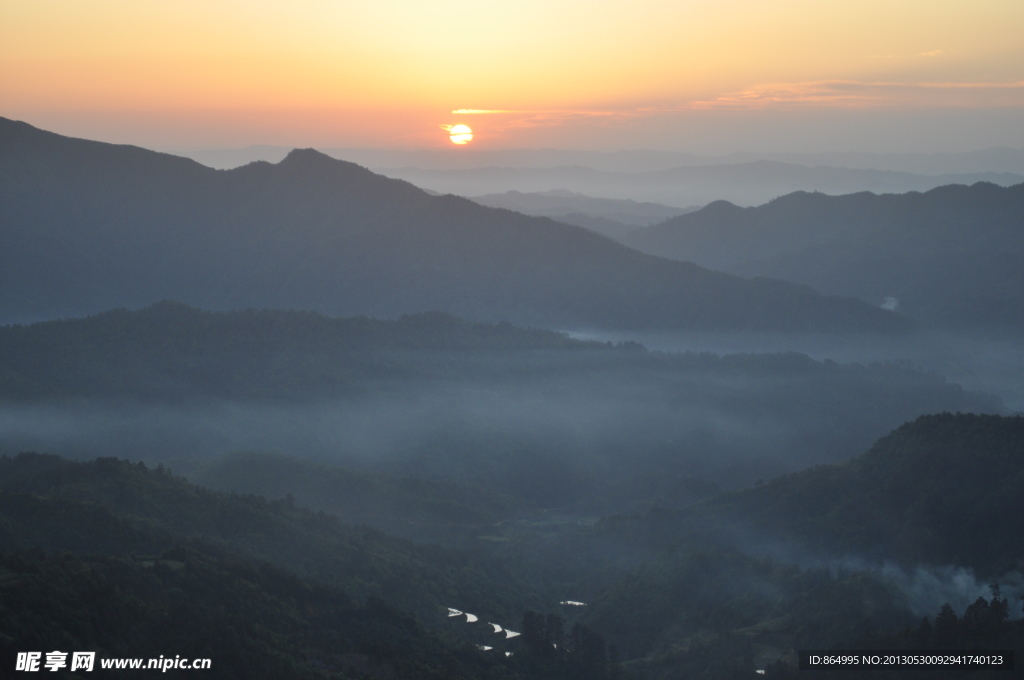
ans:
(690, 75)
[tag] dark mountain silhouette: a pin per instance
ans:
(89, 226)
(953, 255)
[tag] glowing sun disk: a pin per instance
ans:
(460, 134)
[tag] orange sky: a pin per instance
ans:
(558, 73)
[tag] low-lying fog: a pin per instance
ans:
(988, 363)
(474, 434)
(601, 435)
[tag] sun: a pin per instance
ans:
(460, 134)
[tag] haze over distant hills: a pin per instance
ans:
(749, 183)
(997, 159)
(953, 255)
(610, 217)
(93, 226)
(673, 178)
(531, 414)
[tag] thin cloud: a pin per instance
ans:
(839, 94)
(1019, 85)
(512, 119)
(847, 93)
(540, 113)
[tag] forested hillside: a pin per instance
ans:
(726, 586)
(112, 506)
(836, 556)
(251, 620)
(952, 481)
(112, 557)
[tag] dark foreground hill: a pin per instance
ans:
(90, 226)
(944, 489)
(246, 619)
(840, 556)
(952, 256)
(112, 506)
(111, 557)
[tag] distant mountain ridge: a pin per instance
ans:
(746, 183)
(90, 226)
(613, 218)
(558, 202)
(996, 159)
(953, 255)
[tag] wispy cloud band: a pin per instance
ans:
(876, 94)
(824, 94)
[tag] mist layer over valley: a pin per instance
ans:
(548, 469)
(532, 414)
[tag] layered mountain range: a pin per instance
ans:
(952, 256)
(613, 218)
(89, 226)
(748, 183)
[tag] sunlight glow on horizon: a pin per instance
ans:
(345, 72)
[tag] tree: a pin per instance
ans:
(999, 607)
(587, 653)
(947, 627)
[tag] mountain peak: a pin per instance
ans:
(313, 162)
(721, 207)
(306, 158)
